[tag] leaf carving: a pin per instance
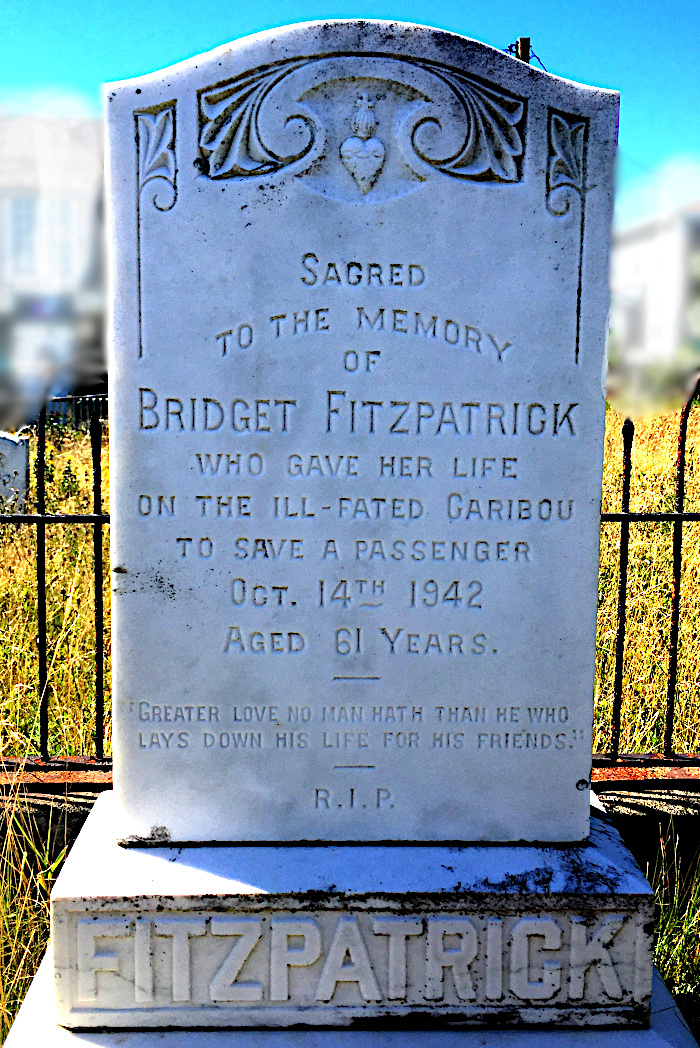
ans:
(492, 141)
(156, 151)
(565, 170)
(232, 143)
(230, 138)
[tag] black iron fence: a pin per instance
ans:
(91, 411)
(667, 758)
(88, 411)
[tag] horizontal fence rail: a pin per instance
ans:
(91, 411)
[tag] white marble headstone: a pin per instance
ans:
(360, 291)
(14, 472)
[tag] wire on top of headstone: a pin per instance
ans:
(522, 49)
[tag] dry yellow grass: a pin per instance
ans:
(653, 488)
(70, 609)
(29, 863)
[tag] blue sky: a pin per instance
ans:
(646, 49)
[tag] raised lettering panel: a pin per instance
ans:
(360, 300)
(213, 968)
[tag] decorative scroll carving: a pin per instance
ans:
(493, 143)
(234, 144)
(567, 138)
(231, 141)
(155, 134)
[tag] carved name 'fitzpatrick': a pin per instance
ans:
(308, 958)
(448, 417)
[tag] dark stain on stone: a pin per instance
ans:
(163, 585)
(158, 835)
(142, 581)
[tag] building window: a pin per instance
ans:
(22, 228)
(61, 236)
(627, 320)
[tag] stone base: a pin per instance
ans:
(404, 936)
(36, 1024)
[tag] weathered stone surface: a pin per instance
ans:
(245, 936)
(36, 1024)
(360, 294)
(14, 472)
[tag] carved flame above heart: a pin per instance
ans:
(363, 154)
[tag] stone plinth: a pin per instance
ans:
(36, 1024)
(339, 935)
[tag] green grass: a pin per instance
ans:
(677, 952)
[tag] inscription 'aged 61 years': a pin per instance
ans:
(358, 341)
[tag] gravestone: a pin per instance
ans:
(14, 472)
(360, 294)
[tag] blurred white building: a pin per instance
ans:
(51, 296)
(655, 291)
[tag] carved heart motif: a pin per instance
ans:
(364, 160)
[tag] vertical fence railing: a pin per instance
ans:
(627, 439)
(41, 585)
(90, 411)
(96, 450)
(676, 581)
(668, 757)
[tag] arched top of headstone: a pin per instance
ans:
(367, 110)
(401, 41)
